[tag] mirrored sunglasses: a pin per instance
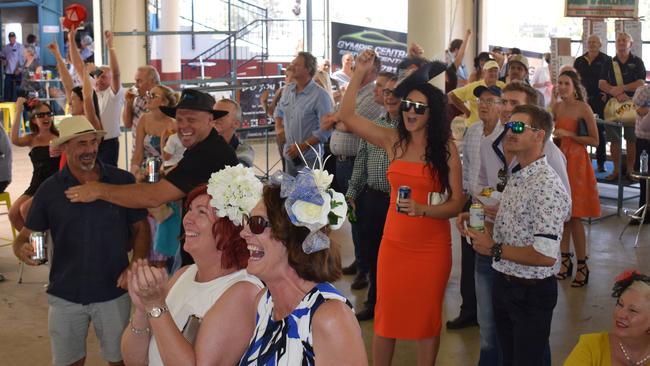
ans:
(256, 224)
(406, 106)
(519, 127)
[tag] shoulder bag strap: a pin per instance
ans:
(617, 73)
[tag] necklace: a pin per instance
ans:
(629, 360)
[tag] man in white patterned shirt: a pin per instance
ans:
(525, 243)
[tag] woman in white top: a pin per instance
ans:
(216, 289)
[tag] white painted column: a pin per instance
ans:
(126, 16)
(426, 26)
(170, 46)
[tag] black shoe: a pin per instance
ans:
(368, 313)
(601, 168)
(360, 281)
(350, 270)
(462, 321)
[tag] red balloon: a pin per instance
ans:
(75, 14)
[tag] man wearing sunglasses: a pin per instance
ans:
(525, 242)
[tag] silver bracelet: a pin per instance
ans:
(137, 331)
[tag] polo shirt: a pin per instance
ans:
(13, 54)
(631, 71)
(589, 71)
(200, 161)
(91, 240)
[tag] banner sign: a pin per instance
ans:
(390, 46)
(602, 8)
(248, 96)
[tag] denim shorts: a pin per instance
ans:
(68, 327)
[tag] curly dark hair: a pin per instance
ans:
(33, 110)
(625, 280)
(438, 134)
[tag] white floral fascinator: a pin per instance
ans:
(235, 190)
(310, 202)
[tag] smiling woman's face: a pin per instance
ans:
(632, 314)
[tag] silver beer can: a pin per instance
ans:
(476, 217)
(152, 166)
(39, 244)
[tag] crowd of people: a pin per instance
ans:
(250, 280)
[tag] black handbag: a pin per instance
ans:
(582, 128)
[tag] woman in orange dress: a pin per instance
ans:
(584, 193)
(415, 252)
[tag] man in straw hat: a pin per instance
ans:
(207, 152)
(91, 243)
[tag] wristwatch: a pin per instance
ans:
(496, 251)
(157, 312)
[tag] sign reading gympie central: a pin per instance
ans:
(602, 8)
(390, 46)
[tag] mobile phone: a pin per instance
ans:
(96, 73)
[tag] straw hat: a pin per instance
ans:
(75, 126)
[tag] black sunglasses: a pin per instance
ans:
(519, 127)
(502, 176)
(406, 106)
(256, 224)
(44, 114)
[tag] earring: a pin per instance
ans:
(575, 94)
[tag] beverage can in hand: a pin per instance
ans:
(403, 193)
(476, 217)
(37, 240)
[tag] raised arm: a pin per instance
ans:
(64, 74)
(16, 139)
(359, 125)
(89, 106)
(461, 51)
(75, 56)
(116, 83)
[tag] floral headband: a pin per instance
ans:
(627, 278)
(311, 203)
(235, 190)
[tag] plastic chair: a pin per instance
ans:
(5, 199)
(8, 111)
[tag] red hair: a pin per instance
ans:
(233, 247)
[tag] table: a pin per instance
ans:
(47, 85)
(202, 64)
(619, 180)
(640, 214)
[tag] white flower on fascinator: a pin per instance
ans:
(235, 190)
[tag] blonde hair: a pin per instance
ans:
(322, 78)
(169, 95)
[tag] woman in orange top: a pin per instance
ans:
(415, 252)
(569, 114)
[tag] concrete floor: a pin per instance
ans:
(23, 308)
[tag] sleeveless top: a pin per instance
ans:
(188, 297)
(288, 341)
(44, 167)
(151, 146)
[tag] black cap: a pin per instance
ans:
(12, 34)
(425, 72)
(194, 100)
(482, 88)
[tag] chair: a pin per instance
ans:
(642, 212)
(8, 111)
(5, 199)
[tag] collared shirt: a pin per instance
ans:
(200, 161)
(632, 70)
(110, 110)
(642, 99)
(139, 108)
(14, 56)
(91, 240)
(345, 143)
(533, 208)
(342, 78)
(472, 141)
(301, 113)
(371, 165)
(590, 71)
(466, 95)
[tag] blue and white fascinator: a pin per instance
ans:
(310, 202)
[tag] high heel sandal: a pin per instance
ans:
(568, 264)
(584, 270)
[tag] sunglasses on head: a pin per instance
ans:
(256, 224)
(519, 127)
(406, 106)
(44, 114)
(150, 95)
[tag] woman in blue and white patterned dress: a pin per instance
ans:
(301, 318)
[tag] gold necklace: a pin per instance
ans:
(629, 360)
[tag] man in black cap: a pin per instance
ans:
(207, 152)
(12, 55)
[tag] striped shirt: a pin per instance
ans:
(371, 165)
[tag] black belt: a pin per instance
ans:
(525, 281)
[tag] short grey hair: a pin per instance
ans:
(238, 112)
(151, 72)
(626, 35)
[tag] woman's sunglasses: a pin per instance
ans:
(44, 114)
(519, 127)
(256, 224)
(150, 95)
(406, 106)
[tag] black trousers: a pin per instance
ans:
(108, 151)
(523, 314)
(467, 285)
(641, 144)
(11, 87)
(376, 205)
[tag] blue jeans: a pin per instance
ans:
(484, 279)
(342, 176)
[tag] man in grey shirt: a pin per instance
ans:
(12, 55)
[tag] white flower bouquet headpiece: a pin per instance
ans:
(235, 190)
(311, 203)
